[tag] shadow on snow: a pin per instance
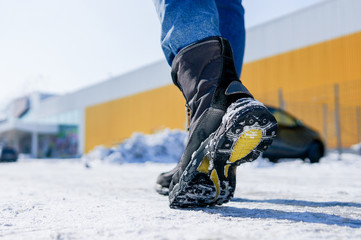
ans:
(300, 203)
(307, 217)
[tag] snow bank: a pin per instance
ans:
(356, 148)
(165, 146)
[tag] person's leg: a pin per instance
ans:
(231, 26)
(227, 126)
(185, 22)
(188, 21)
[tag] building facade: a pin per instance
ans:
(308, 62)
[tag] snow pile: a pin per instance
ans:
(356, 148)
(165, 146)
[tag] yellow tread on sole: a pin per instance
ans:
(215, 180)
(204, 166)
(226, 170)
(245, 144)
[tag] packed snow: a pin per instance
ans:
(114, 197)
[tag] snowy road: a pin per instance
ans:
(290, 200)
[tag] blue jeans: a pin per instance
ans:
(188, 21)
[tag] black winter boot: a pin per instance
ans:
(164, 179)
(227, 127)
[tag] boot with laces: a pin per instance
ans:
(227, 126)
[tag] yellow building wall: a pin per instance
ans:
(308, 70)
(111, 122)
(307, 78)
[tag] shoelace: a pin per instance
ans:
(188, 117)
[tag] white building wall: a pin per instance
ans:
(81, 131)
(143, 79)
(303, 28)
(147, 78)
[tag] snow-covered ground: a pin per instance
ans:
(47, 199)
(62, 199)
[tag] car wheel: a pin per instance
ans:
(273, 160)
(315, 152)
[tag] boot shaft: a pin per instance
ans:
(206, 75)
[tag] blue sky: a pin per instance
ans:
(61, 46)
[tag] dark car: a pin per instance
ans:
(8, 154)
(294, 139)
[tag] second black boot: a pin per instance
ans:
(227, 127)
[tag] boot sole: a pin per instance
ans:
(161, 190)
(247, 129)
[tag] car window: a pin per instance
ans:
(8, 151)
(284, 119)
